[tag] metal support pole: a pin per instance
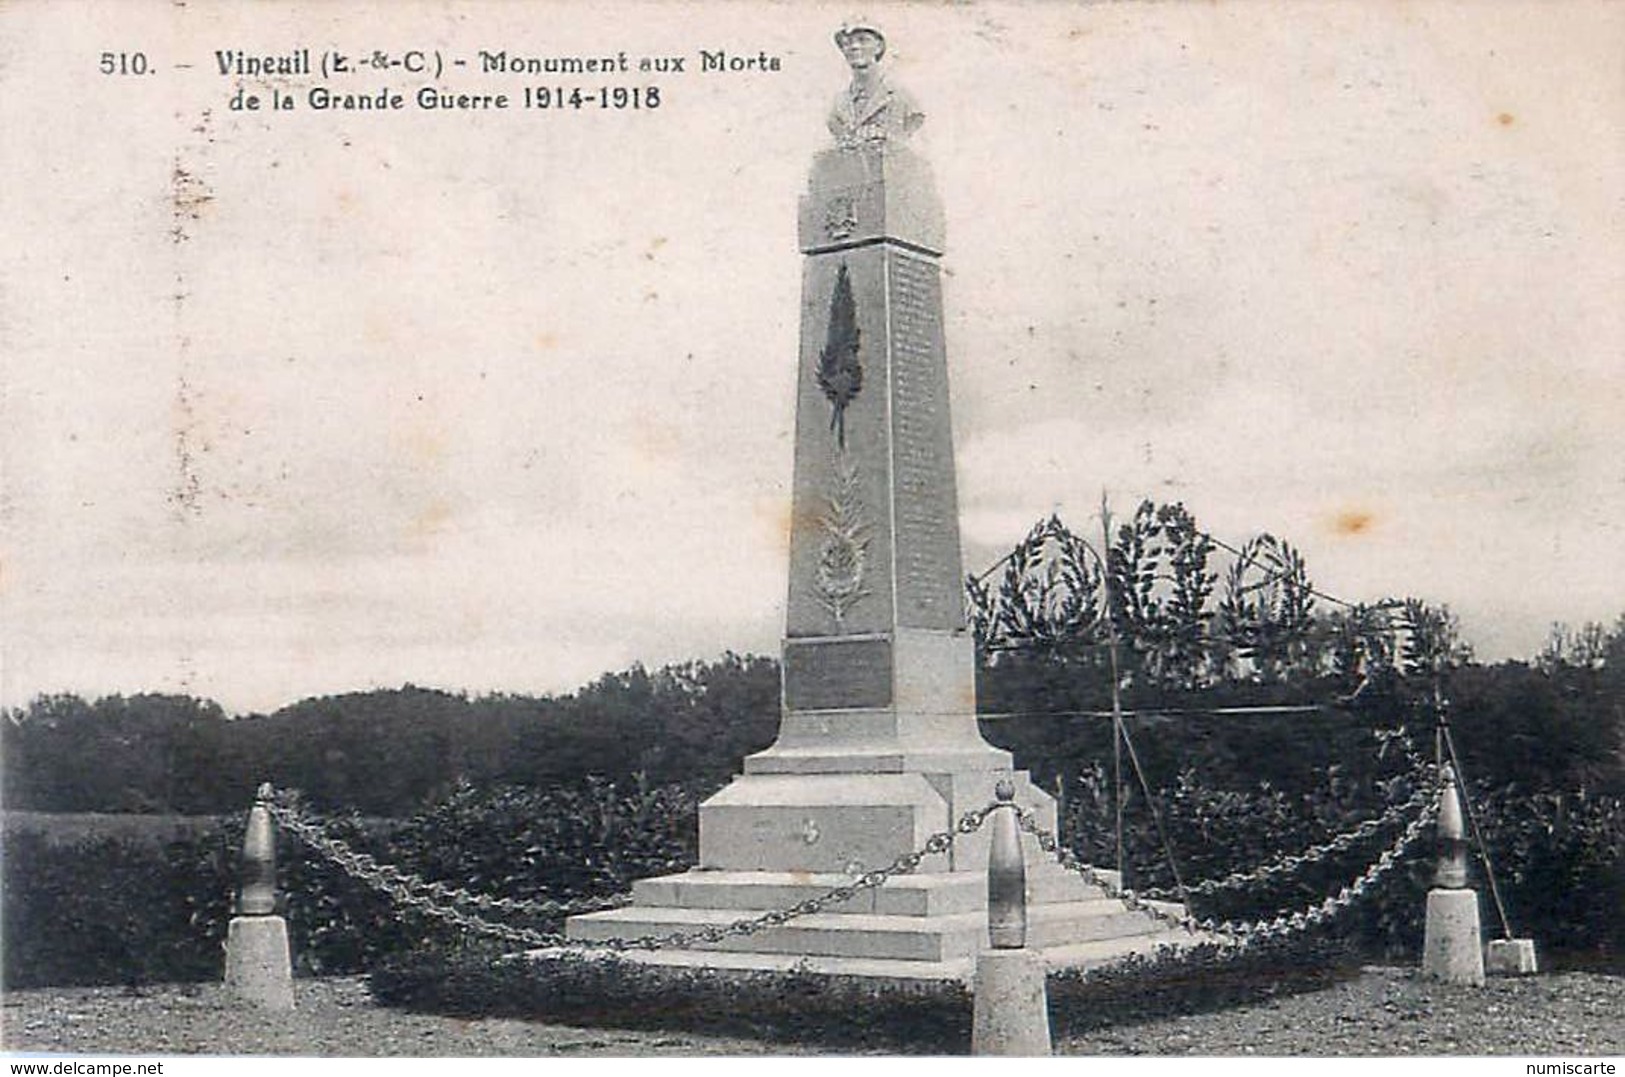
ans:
(1505, 955)
(1478, 837)
(1156, 819)
(1117, 687)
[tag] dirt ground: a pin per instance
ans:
(1388, 1011)
(1382, 1012)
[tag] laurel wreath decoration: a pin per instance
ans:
(844, 556)
(840, 374)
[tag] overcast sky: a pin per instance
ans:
(303, 402)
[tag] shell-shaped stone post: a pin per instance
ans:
(1451, 873)
(1006, 875)
(257, 896)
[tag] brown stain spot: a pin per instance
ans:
(426, 443)
(1506, 119)
(432, 519)
(378, 327)
(654, 248)
(1352, 522)
(545, 341)
(346, 201)
(778, 517)
(655, 439)
(811, 516)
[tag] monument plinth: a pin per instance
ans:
(878, 746)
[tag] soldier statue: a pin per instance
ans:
(870, 112)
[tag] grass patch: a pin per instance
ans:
(1198, 979)
(838, 1012)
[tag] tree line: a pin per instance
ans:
(1172, 625)
(387, 751)
(1166, 620)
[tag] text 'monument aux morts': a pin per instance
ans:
(338, 69)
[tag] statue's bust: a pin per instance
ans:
(870, 112)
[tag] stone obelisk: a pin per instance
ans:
(878, 746)
(878, 741)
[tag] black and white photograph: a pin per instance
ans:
(548, 530)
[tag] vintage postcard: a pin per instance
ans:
(450, 355)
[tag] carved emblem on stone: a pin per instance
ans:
(843, 558)
(809, 832)
(840, 372)
(840, 217)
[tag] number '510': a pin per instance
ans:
(124, 63)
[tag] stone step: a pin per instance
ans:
(1085, 921)
(934, 894)
(1097, 953)
(900, 972)
(907, 938)
(1082, 955)
(1049, 881)
(940, 937)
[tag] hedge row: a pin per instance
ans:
(1559, 860)
(122, 910)
(127, 910)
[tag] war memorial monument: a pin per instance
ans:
(878, 746)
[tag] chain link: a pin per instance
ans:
(1286, 866)
(1244, 932)
(415, 894)
(376, 873)
(934, 845)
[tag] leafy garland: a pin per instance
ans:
(843, 559)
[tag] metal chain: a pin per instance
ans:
(936, 844)
(1288, 865)
(1243, 932)
(411, 893)
(414, 894)
(369, 869)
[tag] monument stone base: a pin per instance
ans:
(1011, 1015)
(1452, 945)
(772, 841)
(1510, 957)
(259, 970)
